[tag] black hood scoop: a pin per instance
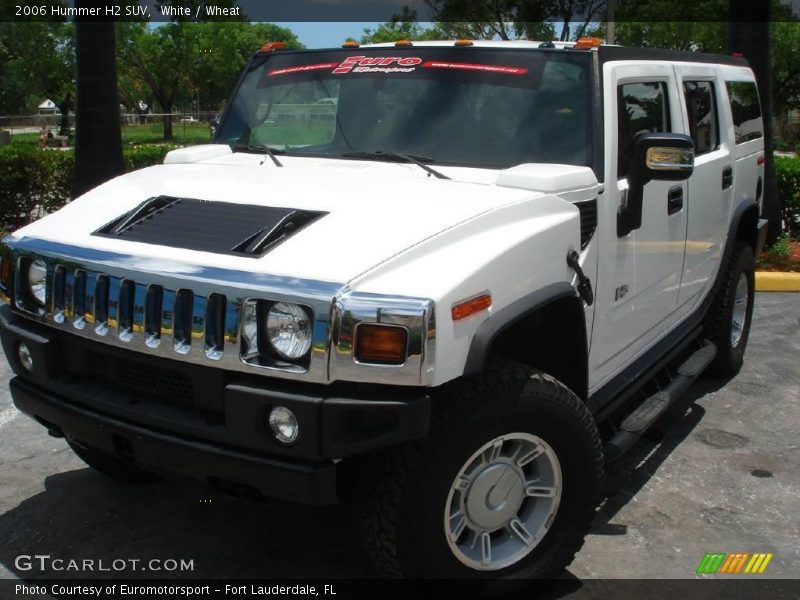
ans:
(219, 227)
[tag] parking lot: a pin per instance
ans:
(721, 473)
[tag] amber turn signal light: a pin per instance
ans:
(470, 307)
(381, 344)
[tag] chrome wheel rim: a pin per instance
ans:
(739, 317)
(503, 501)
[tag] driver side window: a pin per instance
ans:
(642, 107)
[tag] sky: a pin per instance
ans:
(330, 34)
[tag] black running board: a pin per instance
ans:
(648, 412)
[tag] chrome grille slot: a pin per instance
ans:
(182, 332)
(79, 300)
(139, 302)
(215, 326)
(101, 305)
(59, 301)
(167, 313)
(153, 307)
(127, 291)
(69, 286)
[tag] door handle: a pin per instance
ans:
(727, 177)
(674, 200)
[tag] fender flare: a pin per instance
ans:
(490, 329)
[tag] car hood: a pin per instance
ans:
(371, 214)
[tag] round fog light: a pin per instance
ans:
(25, 357)
(284, 425)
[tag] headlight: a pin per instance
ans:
(37, 281)
(289, 330)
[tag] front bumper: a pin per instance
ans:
(217, 431)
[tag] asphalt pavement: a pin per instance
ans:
(719, 473)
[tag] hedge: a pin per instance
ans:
(31, 177)
(787, 175)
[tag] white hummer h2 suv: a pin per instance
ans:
(444, 282)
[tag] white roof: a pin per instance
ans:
(47, 104)
(527, 44)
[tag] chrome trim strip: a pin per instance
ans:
(351, 309)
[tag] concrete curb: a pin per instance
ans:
(767, 281)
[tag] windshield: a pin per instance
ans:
(464, 106)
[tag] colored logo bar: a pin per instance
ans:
(735, 563)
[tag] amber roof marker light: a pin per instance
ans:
(272, 46)
(587, 43)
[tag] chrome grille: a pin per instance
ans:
(183, 320)
(137, 313)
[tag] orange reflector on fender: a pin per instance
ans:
(381, 344)
(585, 43)
(470, 307)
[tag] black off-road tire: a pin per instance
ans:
(719, 320)
(112, 467)
(402, 493)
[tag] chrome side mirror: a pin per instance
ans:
(659, 156)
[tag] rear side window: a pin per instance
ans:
(746, 111)
(701, 106)
(642, 108)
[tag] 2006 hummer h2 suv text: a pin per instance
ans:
(443, 282)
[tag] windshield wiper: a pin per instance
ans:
(411, 158)
(259, 149)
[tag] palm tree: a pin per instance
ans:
(98, 142)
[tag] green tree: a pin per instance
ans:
(491, 19)
(37, 59)
(785, 67)
(403, 26)
(222, 49)
(582, 12)
(178, 61)
(641, 23)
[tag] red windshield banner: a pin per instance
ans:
(302, 68)
(435, 64)
(394, 64)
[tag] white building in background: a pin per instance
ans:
(48, 107)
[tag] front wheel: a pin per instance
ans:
(506, 485)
